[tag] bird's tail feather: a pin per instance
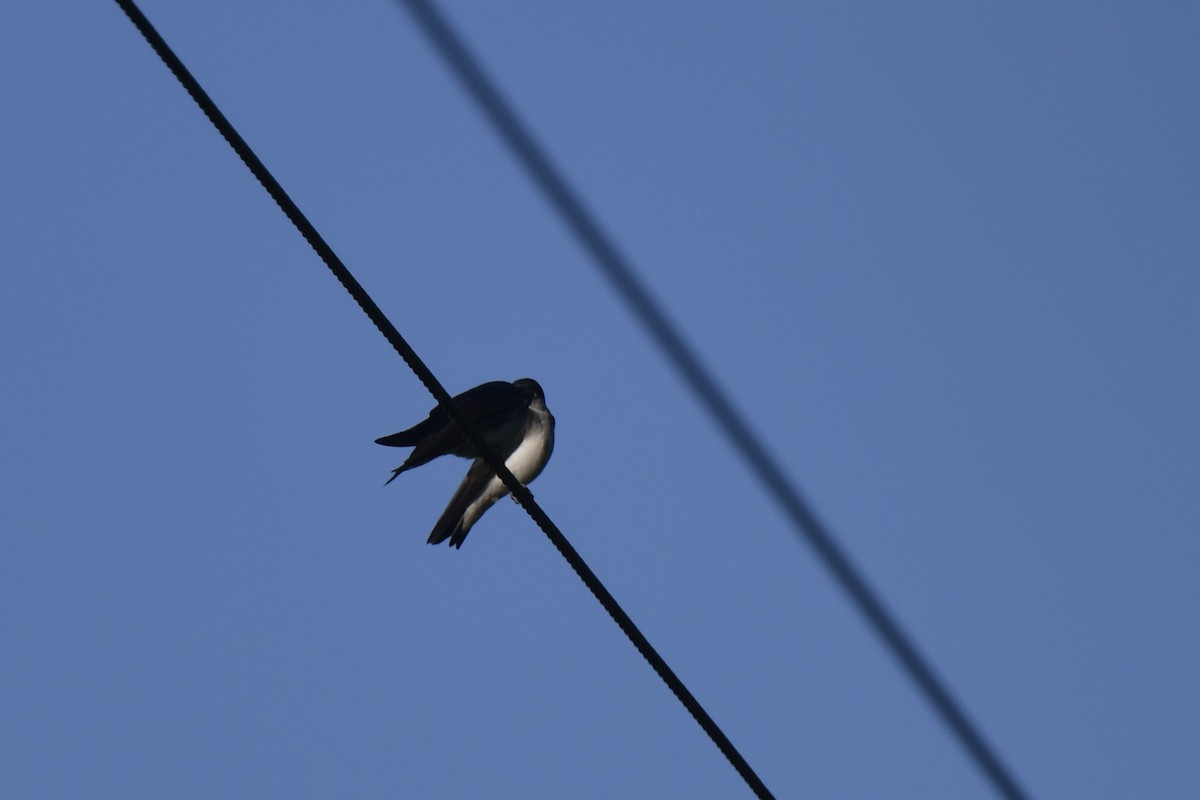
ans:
(465, 507)
(450, 526)
(450, 523)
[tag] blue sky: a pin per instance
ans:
(946, 258)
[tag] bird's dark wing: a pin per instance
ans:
(496, 410)
(491, 405)
(408, 438)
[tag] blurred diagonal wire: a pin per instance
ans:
(376, 315)
(618, 269)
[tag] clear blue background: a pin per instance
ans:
(946, 255)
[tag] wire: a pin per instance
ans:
(519, 491)
(619, 271)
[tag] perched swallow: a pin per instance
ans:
(512, 417)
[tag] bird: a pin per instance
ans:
(512, 418)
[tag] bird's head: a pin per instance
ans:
(531, 387)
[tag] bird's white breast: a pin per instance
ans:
(531, 455)
(525, 463)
